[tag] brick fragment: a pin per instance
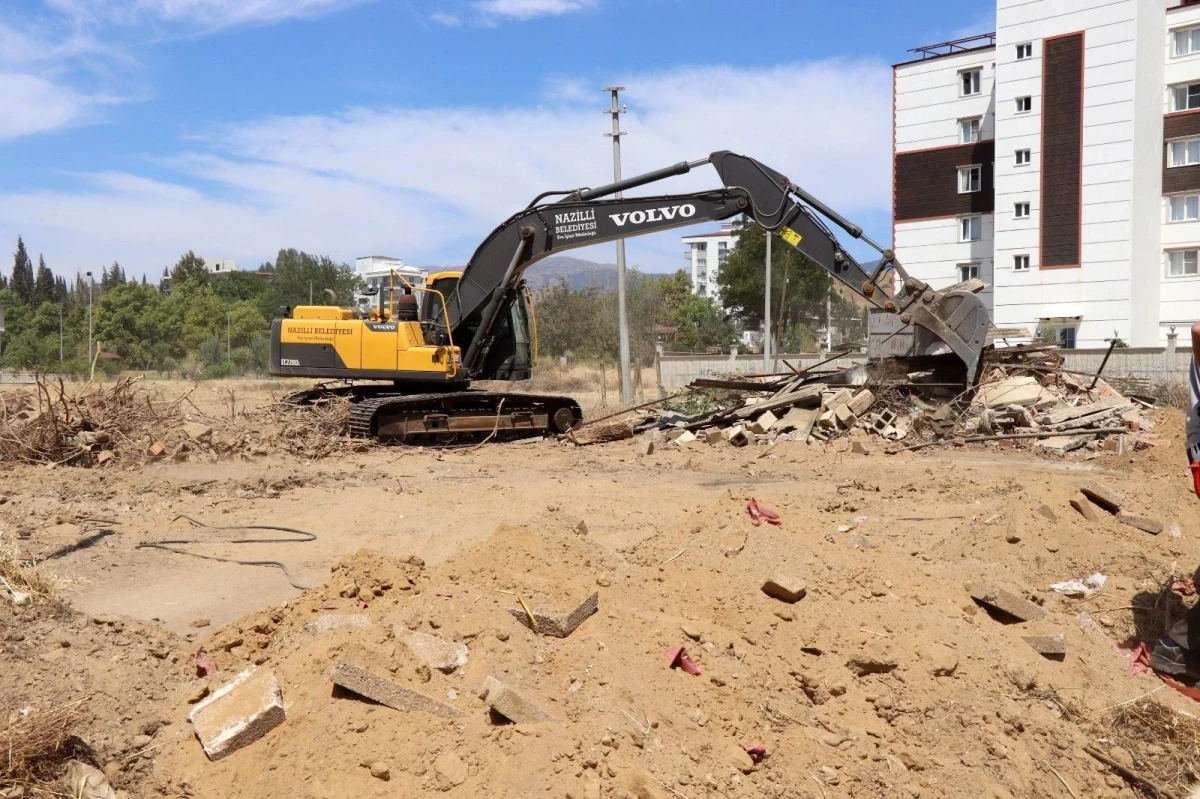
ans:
(510, 704)
(238, 713)
(785, 588)
(1086, 509)
(1004, 601)
(1103, 496)
(561, 625)
(1150, 526)
(1050, 646)
(385, 692)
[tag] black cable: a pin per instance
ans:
(303, 536)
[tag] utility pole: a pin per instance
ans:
(310, 292)
(622, 320)
(60, 335)
(767, 308)
(91, 284)
(228, 336)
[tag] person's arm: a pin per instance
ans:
(1196, 342)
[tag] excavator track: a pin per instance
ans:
(442, 417)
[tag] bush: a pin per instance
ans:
(219, 371)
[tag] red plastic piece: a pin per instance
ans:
(681, 660)
(757, 752)
(762, 513)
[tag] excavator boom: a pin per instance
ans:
(583, 217)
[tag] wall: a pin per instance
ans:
(1178, 297)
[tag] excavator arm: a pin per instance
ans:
(583, 217)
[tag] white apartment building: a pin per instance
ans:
(706, 254)
(1058, 160)
(375, 272)
(219, 266)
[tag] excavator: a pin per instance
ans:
(422, 354)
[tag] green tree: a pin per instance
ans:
(298, 275)
(245, 323)
(127, 322)
(190, 267)
(22, 274)
(43, 285)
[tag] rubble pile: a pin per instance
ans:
(1024, 398)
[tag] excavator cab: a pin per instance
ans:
(513, 351)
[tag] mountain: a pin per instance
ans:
(578, 273)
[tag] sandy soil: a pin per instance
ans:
(885, 680)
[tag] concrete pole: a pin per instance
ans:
(767, 309)
(91, 283)
(623, 369)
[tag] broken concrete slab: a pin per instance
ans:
(1050, 646)
(560, 625)
(801, 420)
(510, 704)
(1063, 444)
(1150, 526)
(1103, 496)
(1004, 601)
(1086, 509)
(337, 621)
(238, 713)
(1016, 390)
(444, 656)
(362, 682)
(839, 397)
(861, 402)
(785, 588)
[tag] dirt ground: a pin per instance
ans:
(884, 680)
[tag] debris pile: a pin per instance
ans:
(1024, 398)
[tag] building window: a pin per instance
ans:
(1066, 338)
(1186, 42)
(1183, 208)
(1020, 210)
(1185, 98)
(969, 228)
(969, 82)
(968, 272)
(1024, 51)
(968, 130)
(1022, 157)
(1020, 263)
(1024, 105)
(1184, 152)
(1181, 263)
(969, 178)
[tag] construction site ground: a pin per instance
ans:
(885, 679)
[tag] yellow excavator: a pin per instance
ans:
(420, 353)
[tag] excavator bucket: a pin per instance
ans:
(956, 316)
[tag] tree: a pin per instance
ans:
(111, 277)
(22, 275)
(190, 267)
(799, 290)
(127, 321)
(44, 285)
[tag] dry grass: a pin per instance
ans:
(22, 575)
(35, 742)
(1165, 744)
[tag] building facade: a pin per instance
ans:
(220, 266)
(1058, 160)
(375, 273)
(706, 253)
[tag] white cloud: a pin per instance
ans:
(530, 9)
(429, 184)
(35, 105)
(444, 18)
(207, 15)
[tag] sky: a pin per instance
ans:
(136, 130)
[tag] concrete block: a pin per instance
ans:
(737, 436)
(861, 402)
(1017, 390)
(385, 692)
(859, 447)
(673, 433)
(238, 713)
(785, 588)
(826, 420)
(763, 423)
(836, 398)
(1103, 496)
(445, 656)
(562, 625)
(1142, 523)
(337, 621)
(714, 435)
(1050, 646)
(1086, 509)
(510, 704)
(646, 445)
(1004, 601)
(686, 437)
(844, 416)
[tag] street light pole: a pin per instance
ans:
(228, 336)
(91, 285)
(622, 319)
(60, 335)
(767, 308)
(310, 292)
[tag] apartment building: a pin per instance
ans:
(706, 253)
(1058, 159)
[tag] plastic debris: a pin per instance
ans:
(205, 665)
(1083, 588)
(762, 513)
(680, 659)
(757, 752)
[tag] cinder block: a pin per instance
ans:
(714, 435)
(686, 437)
(861, 402)
(562, 625)
(737, 436)
(763, 423)
(785, 588)
(844, 416)
(385, 692)
(1005, 601)
(510, 704)
(238, 713)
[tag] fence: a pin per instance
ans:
(1156, 364)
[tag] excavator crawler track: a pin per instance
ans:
(447, 416)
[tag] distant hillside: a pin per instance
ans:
(580, 274)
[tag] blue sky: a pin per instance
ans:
(135, 130)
